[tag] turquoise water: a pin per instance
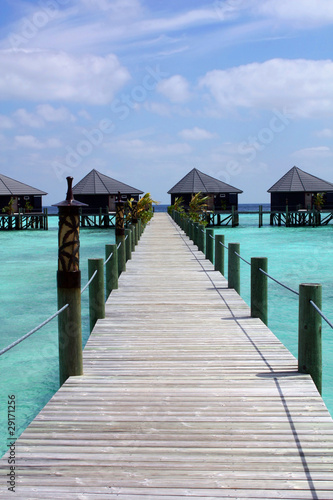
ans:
(295, 255)
(29, 296)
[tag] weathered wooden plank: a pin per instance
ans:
(183, 395)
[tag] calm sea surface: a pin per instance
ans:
(28, 296)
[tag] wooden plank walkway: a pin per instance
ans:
(183, 395)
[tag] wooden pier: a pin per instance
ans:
(184, 395)
(22, 221)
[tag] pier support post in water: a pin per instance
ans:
(309, 332)
(219, 253)
(210, 245)
(111, 269)
(234, 266)
(260, 215)
(259, 308)
(69, 287)
(96, 291)
(120, 236)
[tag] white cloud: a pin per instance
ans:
(51, 114)
(118, 9)
(31, 142)
(315, 152)
(28, 141)
(6, 123)
(28, 119)
(196, 134)
(45, 75)
(84, 114)
(138, 148)
(305, 87)
(176, 88)
(326, 133)
(303, 11)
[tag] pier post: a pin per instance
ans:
(69, 287)
(202, 238)
(260, 215)
(191, 230)
(106, 218)
(132, 228)
(234, 216)
(139, 228)
(259, 303)
(234, 266)
(210, 245)
(309, 332)
(219, 253)
(128, 243)
(96, 291)
(120, 236)
(196, 234)
(111, 269)
(46, 219)
(135, 221)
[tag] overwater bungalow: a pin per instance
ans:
(100, 191)
(221, 196)
(297, 190)
(16, 195)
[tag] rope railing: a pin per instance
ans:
(309, 324)
(242, 258)
(108, 259)
(89, 282)
(276, 281)
(34, 330)
(279, 282)
(6, 349)
(321, 313)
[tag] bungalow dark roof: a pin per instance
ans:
(97, 183)
(296, 180)
(11, 187)
(196, 181)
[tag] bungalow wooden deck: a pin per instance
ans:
(184, 395)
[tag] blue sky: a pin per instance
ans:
(145, 90)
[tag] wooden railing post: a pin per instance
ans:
(309, 332)
(120, 236)
(259, 303)
(210, 245)
(111, 269)
(196, 234)
(128, 239)
(202, 238)
(234, 266)
(133, 238)
(96, 291)
(69, 287)
(219, 253)
(135, 221)
(139, 228)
